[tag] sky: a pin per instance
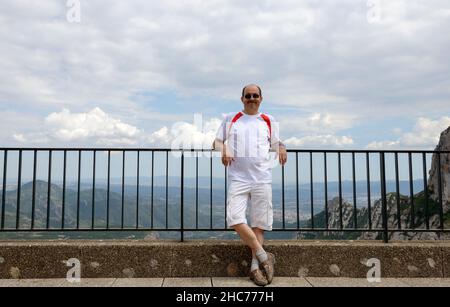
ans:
(349, 74)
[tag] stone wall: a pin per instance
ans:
(135, 259)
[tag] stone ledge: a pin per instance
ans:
(152, 259)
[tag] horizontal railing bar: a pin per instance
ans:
(222, 230)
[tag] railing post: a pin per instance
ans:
(5, 173)
(441, 204)
(182, 196)
(384, 215)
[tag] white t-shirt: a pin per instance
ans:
(249, 141)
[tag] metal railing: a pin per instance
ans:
(404, 214)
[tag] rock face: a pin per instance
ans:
(402, 209)
(433, 186)
(399, 211)
(334, 220)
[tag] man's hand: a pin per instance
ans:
(282, 155)
(227, 157)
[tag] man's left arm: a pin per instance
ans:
(277, 144)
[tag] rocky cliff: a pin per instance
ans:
(409, 213)
(444, 145)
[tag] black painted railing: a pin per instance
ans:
(301, 206)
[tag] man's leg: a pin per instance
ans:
(236, 217)
(249, 237)
(259, 233)
(261, 214)
(258, 254)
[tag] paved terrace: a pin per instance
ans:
(229, 282)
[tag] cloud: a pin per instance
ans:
(383, 145)
(313, 60)
(160, 137)
(320, 141)
(310, 57)
(318, 123)
(185, 135)
(424, 135)
(95, 126)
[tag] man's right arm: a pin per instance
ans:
(227, 157)
(217, 145)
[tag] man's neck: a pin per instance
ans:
(250, 113)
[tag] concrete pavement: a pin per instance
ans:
(227, 282)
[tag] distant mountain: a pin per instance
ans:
(173, 206)
(402, 214)
(219, 183)
(160, 219)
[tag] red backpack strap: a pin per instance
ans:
(269, 124)
(235, 119)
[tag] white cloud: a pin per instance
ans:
(160, 137)
(306, 54)
(19, 137)
(310, 57)
(320, 141)
(182, 134)
(95, 126)
(383, 145)
(95, 123)
(318, 123)
(425, 135)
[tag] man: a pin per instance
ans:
(245, 139)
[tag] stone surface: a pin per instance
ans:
(287, 282)
(138, 282)
(327, 259)
(236, 282)
(446, 263)
(426, 282)
(353, 282)
(55, 282)
(137, 259)
(90, 282)
(187, 282)
(36, 260)
(229, 282)
(202, 259)
(122, 260)
(6, 283)
(245, 282)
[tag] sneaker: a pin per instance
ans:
(268, 267)
(258, 278)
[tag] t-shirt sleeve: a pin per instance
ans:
(275, 138)
(221, 132)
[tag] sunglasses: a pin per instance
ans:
(250, 96)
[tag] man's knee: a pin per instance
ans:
(238, 227)
(258, 230)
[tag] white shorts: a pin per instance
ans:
(259, 198)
